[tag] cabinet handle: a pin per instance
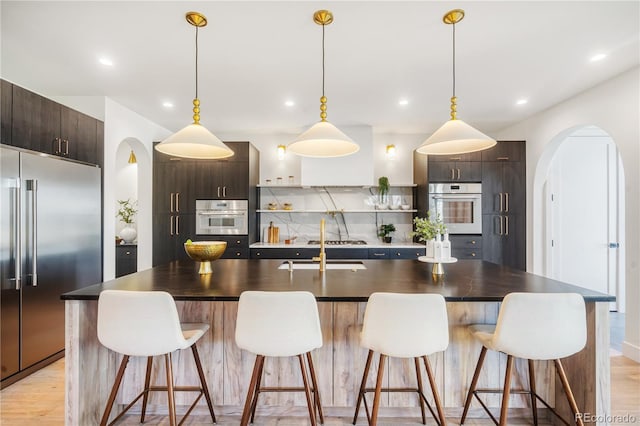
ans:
(455, 158)
(177, 204)
(127, 253)
(506, 201)
(297, 254)
(177, 225)
(458, 173)
(502, 158)
(238, 253)
(56, 151)
(224, 192)
(397, 254)
(501, 226)
(378, 254)
(473, 241)
(171, 225)
(237, 241)
(473, 255)
(218, 192)
(501, 202)
(506, 225)
(66, 147)
(452, 174)
(171, 204)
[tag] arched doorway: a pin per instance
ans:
(579, 210)
(132, 162)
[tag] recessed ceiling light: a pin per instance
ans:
(598, 57)
(167, 104)
(106, 61)
(403, 102)
(289, 103)
(521, 101)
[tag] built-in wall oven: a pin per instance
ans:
(222, 217)
(458, 205)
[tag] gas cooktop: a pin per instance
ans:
(340, 242)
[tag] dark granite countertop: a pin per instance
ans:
(466, 280)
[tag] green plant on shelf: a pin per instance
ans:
(383, 188)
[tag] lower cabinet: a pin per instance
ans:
(466, 246)
(504, 239)
(237, 245)
(126, 259)
(283, 253)
(337, 253)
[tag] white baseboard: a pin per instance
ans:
(631, 351)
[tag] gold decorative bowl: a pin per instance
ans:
(205, 252)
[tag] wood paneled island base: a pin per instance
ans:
(91, 368)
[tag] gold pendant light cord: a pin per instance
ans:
(323, 99)
(196, 101)
(453, 98)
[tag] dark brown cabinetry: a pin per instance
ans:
(504, 204)
(338, 253)
(6, 96)
(466, 246)
(34, 122)
(126, 259)
(179, 182)
(455, 168)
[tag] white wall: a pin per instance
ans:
(614, 106)
(122, 124)
(126, 185)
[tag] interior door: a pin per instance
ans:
(580, 210)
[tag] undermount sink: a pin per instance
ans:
(297, 264)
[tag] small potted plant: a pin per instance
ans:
(126, 213)
(383, 190)
(385, 230)
(427, 229)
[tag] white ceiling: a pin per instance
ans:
(256, 55)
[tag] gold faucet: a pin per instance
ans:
(322, 258)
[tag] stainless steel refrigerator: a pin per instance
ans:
(50, 243)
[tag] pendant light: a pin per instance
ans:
(323, 139)
(455, 136)
(195, 141)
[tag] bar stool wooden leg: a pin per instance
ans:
(474, 383)
(363, 385)
(419, 379)
(114, 390)
(316, 389)
(147, 379)
(250, 392)
(376, 399)
(170, 394)
(504, 409)
(254, 403)
(203, 381)
(568, 392)
(532, 388)
(307, 391)
(434, 389)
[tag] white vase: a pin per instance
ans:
(429, 250)
(128, 234)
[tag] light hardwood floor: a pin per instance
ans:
(39, 400)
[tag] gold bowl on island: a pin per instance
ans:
(205, 252)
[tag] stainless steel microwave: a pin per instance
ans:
(222, 217)
(458, 205)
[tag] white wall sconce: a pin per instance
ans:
(391, 152)
(282, 150)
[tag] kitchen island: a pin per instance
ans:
(473, 290)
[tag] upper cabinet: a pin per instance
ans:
(6, 95)
(455, 168)
(34, 122)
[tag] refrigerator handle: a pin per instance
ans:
(17, 241)
(32, 185)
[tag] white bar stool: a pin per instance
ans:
(532, 326)
(146, 323)
(279, 324)
(403, 326)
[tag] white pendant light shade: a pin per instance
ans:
(455, 137)
(323, 139)
(194, 141)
